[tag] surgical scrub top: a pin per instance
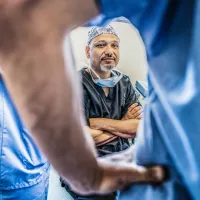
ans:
(114, 106)
(22, 165)
(170, 132)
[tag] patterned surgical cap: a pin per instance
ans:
(96, 31)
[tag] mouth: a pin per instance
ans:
(108, 59)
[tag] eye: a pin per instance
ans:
(115, 46)
(100, 45)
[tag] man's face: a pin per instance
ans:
(103, 52)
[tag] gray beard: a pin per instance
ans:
(107, 68)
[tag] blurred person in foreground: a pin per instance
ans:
(173, 56)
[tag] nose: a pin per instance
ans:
(109, 51)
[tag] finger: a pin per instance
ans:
(149, 175)
(140, 116)
(133, 111)
(138, 112)
(132, 107)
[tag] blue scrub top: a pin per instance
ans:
(21, 163)
(170, 132)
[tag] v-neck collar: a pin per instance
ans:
(99, 88)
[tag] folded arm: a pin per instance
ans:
(101, 137)
(122, 128)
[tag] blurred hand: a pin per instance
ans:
(124, 174)
(119, 171)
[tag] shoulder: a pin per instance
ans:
(127, 84)
(125, 80)
(84, 75)
(85, 79)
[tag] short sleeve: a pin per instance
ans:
(130, 98)
(86, 105)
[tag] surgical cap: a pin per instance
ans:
(96, 31)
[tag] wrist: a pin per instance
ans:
(92, 123)
(125, 118)
(96, 123)
(98, 179)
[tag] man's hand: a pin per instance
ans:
(122, 175)
(135, 173)
(119, 173)
(134, 112)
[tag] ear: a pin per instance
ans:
(87, 51)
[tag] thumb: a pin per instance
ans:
(151, 174)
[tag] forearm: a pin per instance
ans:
(128, 127)
(94, 133)
(101, 137)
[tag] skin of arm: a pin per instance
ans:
(117, 127)
(101, 137)
(46, 94)
(122, 128)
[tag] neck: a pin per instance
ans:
(102, 74)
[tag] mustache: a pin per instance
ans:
(108, 58)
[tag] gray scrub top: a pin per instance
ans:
(114, 106)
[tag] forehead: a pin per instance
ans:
(106, 37)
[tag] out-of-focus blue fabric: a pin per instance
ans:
(170, 133)
(22, 165)
(35, 192)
